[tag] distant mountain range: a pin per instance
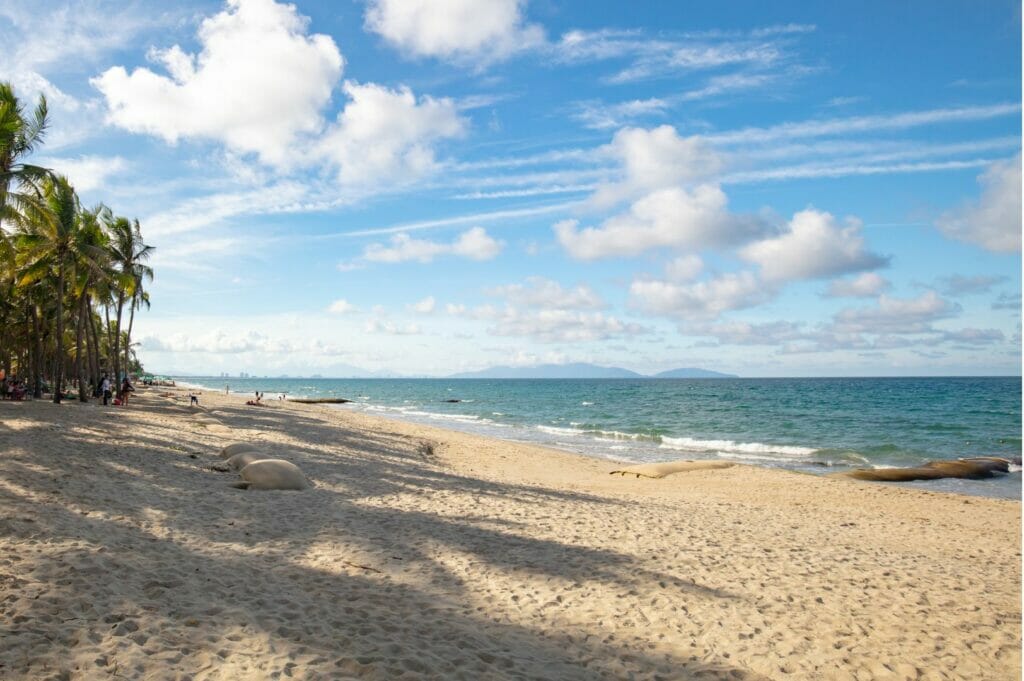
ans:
(582, 370)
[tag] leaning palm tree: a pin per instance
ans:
(129, 254)
(46, 243)
(140, 299)
(20, 182)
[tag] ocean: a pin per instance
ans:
(816, 425)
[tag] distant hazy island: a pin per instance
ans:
(583, 370)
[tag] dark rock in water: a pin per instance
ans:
(977, 468)
(452, 401)
(320, 400)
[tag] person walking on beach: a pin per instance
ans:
(105, 388)
(126, 388)
(193, 399)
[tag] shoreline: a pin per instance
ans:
(481, 558)
(641, 447)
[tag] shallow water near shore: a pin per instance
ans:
(817, 425)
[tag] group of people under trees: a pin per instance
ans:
(105, 389)
(14, 388)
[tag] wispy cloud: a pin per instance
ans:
(664, 55)
(846, 169)
(837, 126)
(486, 217)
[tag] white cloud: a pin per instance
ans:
(387, 135)
(222, 342)
(257, 84)
(866, 285)
(994, 220)
(466, 31)
(737, 82)
(673, 204)
(959, 285)
(86, 173)
(650, 57)
(667, 218)
(474, 244)
(601, 116)
(72, 38)
(700, 300)
(489, 216)
(655, 159)
(838, 126)
(813, 246)
(204, 211)
(745, 333)
(556, 325)
(390, 328)
(831, 169)
(896, 315)
(342, 306)
(832, 341)
(546, 311)
(540, 292)
(971, 336)
(425, 306)
(690, 58)
(684, 268)
(195, 253)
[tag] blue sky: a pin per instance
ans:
(424, 186)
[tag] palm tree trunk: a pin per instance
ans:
(93, 327)
(110, 338)
(90, 341)
(58, 378)
(128, 338)
(37, 361)
(117, 340)
(79, 366)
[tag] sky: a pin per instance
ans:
(423, 187)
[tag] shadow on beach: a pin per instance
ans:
(139, 559)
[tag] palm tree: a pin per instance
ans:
(19, 188)
(19, 137)
(46, 243)
(129, 254)
(91, 265)
(139, 299)
(59, 265)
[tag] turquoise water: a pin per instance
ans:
(819, 425)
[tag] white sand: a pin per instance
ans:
(121, 556)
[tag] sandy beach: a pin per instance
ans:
(424, 553)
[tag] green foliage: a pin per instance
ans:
(63, 268)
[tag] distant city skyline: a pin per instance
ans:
(421, 187)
